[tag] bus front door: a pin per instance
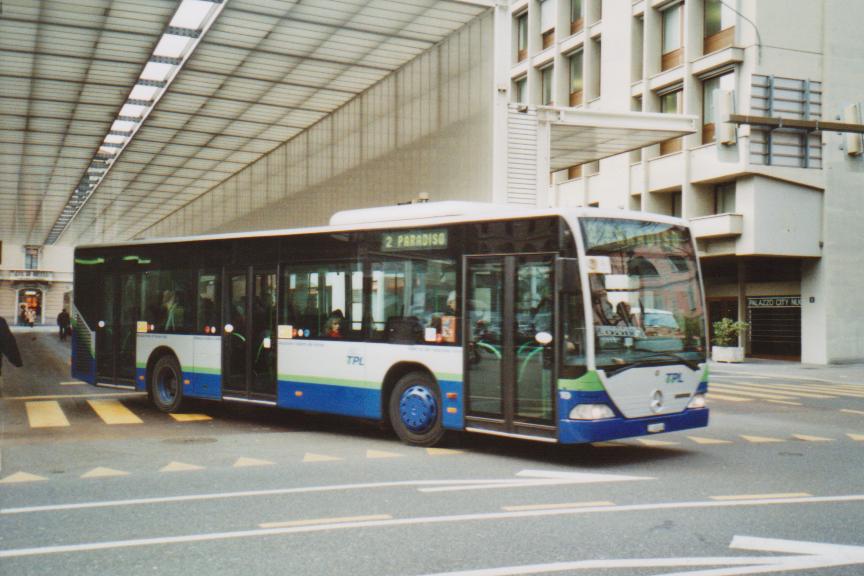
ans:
(248, 337)
(509, 353)
(115, 330)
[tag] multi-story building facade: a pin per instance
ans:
(774, 211)
(35, 278)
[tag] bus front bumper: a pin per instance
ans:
(585, 431)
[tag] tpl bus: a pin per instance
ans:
(560, 325)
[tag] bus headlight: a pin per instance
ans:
(591, 412)
(698, 401)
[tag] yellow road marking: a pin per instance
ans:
(190, 417)
(848, 411)
(761, 439)
(381, 454)
(82, 396)
(19, 477)
(700, 440)
(73, 383)
(113, 412)
(556, 506)
(805, 438)
(180, 467)
(650, 442)
(610, 444)
(753, 393)
(713, 396)
(762, 496)
(247, 462)
(45, 414)
(790, 389)
(310, 457)
(857, 437)
(318, 521)
(101, 472)
(442, 451)
(785, 402)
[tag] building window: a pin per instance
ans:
(577, 20)
(522, 37)
(675, 204)
(671, 103)
(521, 90)
(672, 23)
(31, 257)
(546, 86)
(710, 88)
(719, 26)
(576, 78)
(547, 22)
(724, 198)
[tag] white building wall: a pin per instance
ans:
(427, 128)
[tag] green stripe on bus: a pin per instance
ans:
(589, 382)
(705, 373)
(448, 377)
(330, 381)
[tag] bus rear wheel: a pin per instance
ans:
(166, 384)
(415, 410)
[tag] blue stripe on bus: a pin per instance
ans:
(580, 432)
(200, 385)
(333, 399)
(450, 419)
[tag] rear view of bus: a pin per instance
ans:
(640, 366)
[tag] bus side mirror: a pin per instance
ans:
(567, 273)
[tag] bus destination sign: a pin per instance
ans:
(414, 240)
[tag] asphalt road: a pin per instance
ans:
(773, 485)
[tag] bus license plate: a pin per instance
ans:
(657, 427)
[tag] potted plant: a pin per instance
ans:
(727, 344)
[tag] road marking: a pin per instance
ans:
(713, 396)
(761, 439)
(19, 477)
(532, 478)
(81, 396)
(73, 383)
(425, 520)
(442, 452)
(750, 393)
(610, 444)
(849, 411)
(806, 438)
(790, 389)
(807, 556)
(374, 454)
(191, 417)
(779, 377)
(310, 457)
(180, 467)
(101, 472)
(319, 521)
(708, 441)
(557, 506)
(856, 437)
(762, 496)
(785, 402)
(652, 442)
(45, 414)
(247, 462)
(113, 412)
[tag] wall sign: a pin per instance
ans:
(414, 240)
(774, 302)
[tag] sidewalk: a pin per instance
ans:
(834, 373)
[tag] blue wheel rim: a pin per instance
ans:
(166, 385)
(418, 409)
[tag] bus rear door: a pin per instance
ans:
(508, 333)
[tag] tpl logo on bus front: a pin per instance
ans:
(674, 378)
(355, 360)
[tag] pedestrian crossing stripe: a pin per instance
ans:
(100, 472)
(761, 439)
(767, 391)
(754, 393)
(652, 442)
(19, 477)
(856, 437)
(442, 452)
(180, 467)
(709, 441)
(806, 438)
(191, 417)
(45, 414)
(114, 412)
(849, 411)
(713, 396)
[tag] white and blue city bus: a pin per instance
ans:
(561, 325)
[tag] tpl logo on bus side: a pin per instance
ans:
(674, 378)
(355, 360)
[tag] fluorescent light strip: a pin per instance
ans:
(191, 21)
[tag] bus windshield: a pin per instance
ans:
(645, 293)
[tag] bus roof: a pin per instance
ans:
(421, 214)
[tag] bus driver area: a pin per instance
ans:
(566, 326)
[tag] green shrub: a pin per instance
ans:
(727, 331)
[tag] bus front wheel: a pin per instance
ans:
(166, 384)
(415, 410)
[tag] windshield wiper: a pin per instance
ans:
(645, 361)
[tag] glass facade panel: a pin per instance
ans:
(671, 28)
(546, 86)
(576, 72)
(718, 17)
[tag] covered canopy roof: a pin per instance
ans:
(580, 136)
(115, 113)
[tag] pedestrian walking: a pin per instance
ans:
(63, 323)
(8, 347)
(31, 317)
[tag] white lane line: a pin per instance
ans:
(261, 532)
(317, 521)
